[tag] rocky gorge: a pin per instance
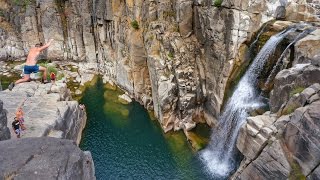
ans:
(179, 59)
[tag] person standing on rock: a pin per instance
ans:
(16, 127)
(31, 64)
(19, 115)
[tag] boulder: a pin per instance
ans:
(44, 158)
(307, 50)
(47, 109)
(300, 11)
(125, 99)
(4, 130)
(290, 81)
(254, 135)
(271, 164)
(280, 12)
(302, 137)
(301, 99)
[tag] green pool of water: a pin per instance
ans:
(126, 144)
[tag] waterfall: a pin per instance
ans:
(279, 65)
(220, 157)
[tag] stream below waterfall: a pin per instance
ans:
(126, 144)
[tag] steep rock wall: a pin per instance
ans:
(174, 57)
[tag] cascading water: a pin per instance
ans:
(280, 64)
(220, 157)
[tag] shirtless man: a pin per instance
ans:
(31, 64)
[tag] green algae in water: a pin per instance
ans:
(132, 146)
(199, 136)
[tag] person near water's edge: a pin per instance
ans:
(31, 64)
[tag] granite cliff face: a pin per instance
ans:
(174, 57)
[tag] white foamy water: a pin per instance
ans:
(220, 157)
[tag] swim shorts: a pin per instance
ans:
(17, 131)
(30, 69)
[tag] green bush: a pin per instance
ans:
(50, 69)
(296, 90)
(217, 3)
(135, 24)
(1, 13)
(23, 3)
(170, 55)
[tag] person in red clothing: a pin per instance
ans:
(53, 77)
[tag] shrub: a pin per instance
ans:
(50, 69)
(296, 90)
(1, 13)
(170, 55)
(23, 3)
(217, 3)
(135, 24)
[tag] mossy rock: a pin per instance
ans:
(110, 86)
(296, 90)
(197, 142)
(199, 137)
(122, 101)
(296, 172)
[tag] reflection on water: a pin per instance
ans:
(126, 144)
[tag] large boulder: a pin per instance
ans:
(254, 135)
(48, 110)
(307, 50)
(271, 164)
(290, 81)
(4, 130)
(301, 11)
(44, 158)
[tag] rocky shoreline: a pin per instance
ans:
(48, 112)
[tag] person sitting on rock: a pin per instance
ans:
(19, 115)
(31, 64)
(16, 127)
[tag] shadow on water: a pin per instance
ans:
(126, 144)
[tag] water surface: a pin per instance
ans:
(126, 144)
